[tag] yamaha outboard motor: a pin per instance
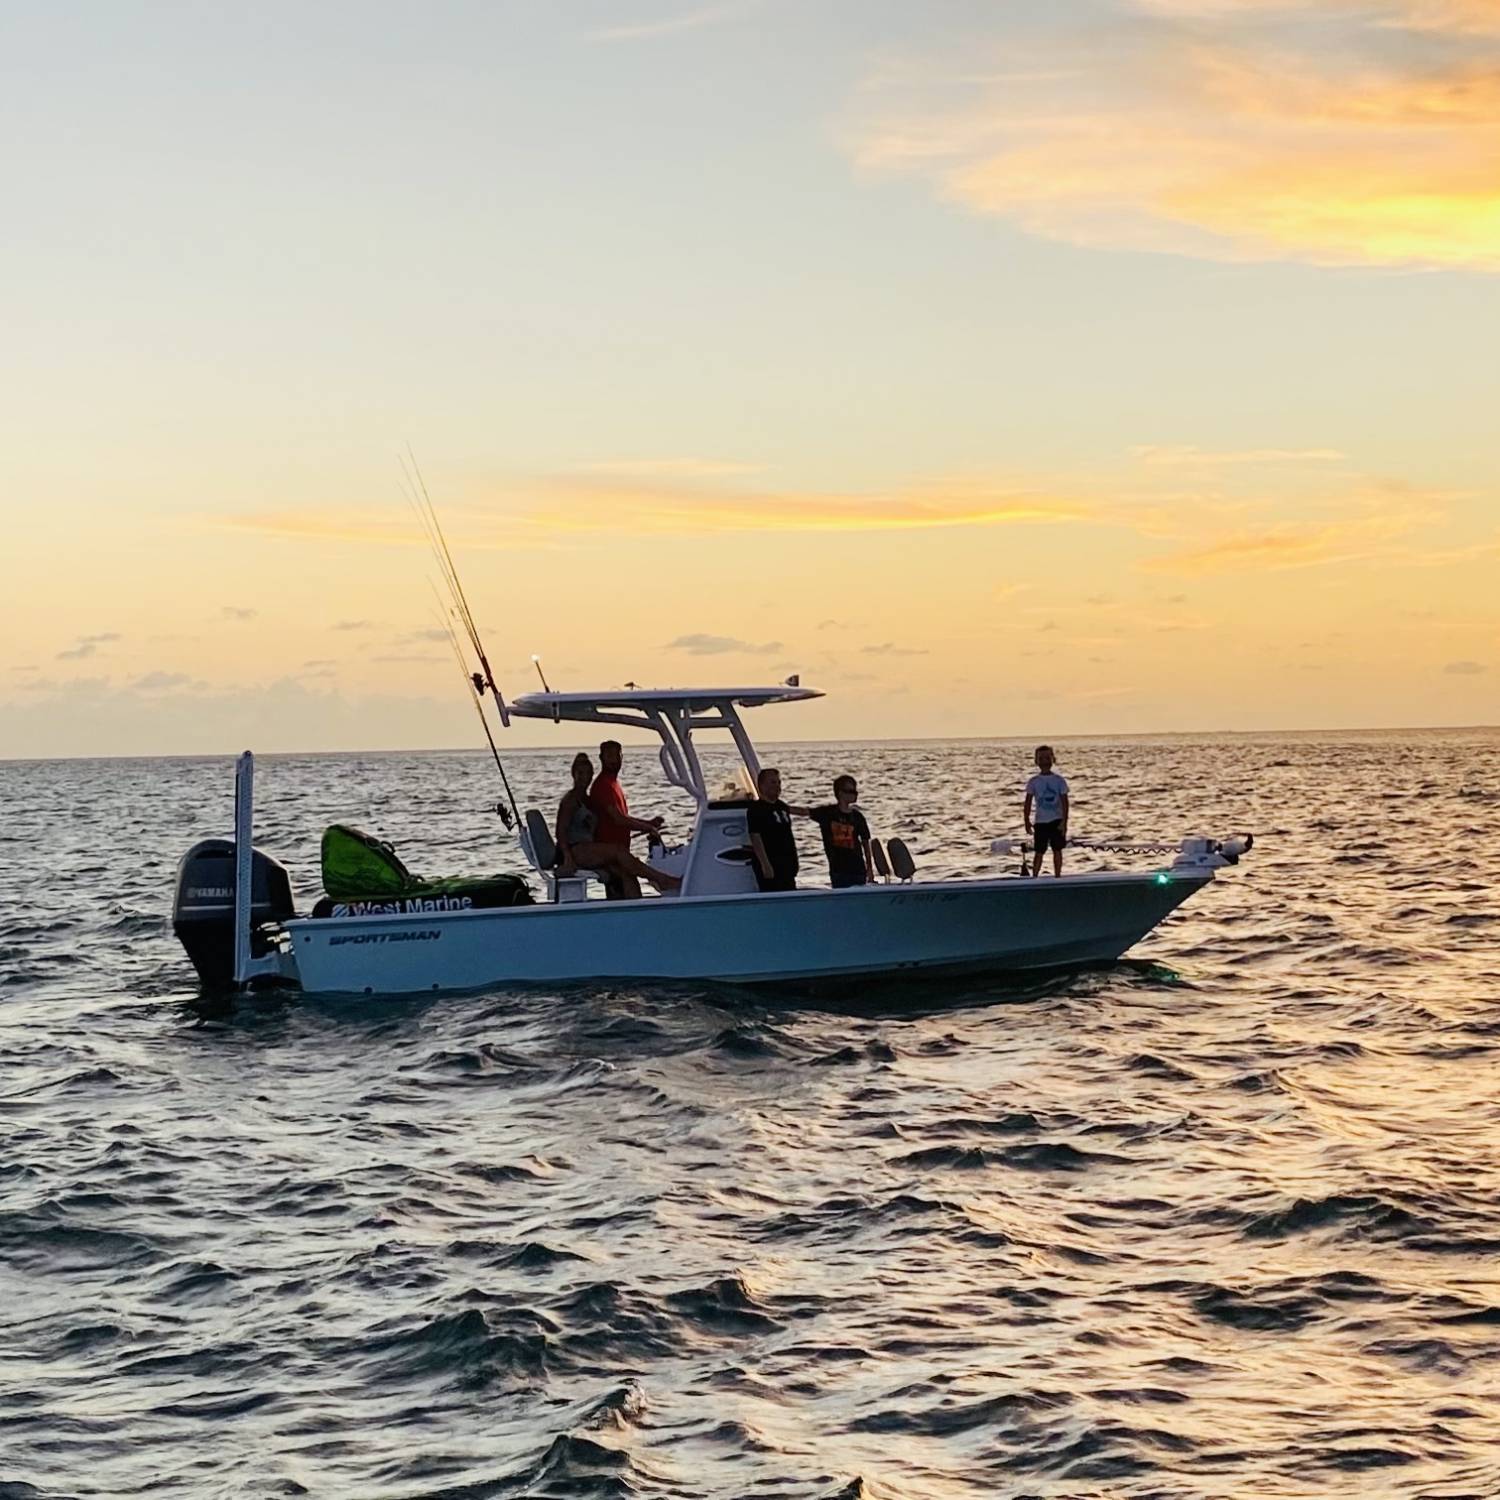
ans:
(203, 916)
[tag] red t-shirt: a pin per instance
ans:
(607, 798)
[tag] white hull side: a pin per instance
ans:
(972, 926)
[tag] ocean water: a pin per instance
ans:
(1220, 1221)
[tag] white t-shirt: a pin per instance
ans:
(1046, 793)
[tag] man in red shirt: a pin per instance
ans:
(607, 799)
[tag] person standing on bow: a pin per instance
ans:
(1045, 811)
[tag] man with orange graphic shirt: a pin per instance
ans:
(846, 836)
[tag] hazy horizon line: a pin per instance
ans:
(1147, 736)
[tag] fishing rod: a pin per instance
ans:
(415, 489)
(473, 683)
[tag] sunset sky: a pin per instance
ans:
(1022, 367)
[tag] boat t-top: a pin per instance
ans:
(401, 935)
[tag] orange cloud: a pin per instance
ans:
(1185, 532)
(622, 506)
(1211, 140)
(1375, 524)
(577, 506)
(1457, 17)
(1286, 548)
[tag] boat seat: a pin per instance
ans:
(537, 842)
(878, 859)
(903, 866)
(540, 849)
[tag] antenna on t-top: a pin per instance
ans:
(536, 661)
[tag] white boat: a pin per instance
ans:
(237, 920)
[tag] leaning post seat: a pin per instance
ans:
(364, 877)
(540, 849)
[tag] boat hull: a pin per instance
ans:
(942, 927)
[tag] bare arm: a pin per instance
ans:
(611, 817)
(1026, 812)
(1065, 813)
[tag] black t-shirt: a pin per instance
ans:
(844, 836)
(773, 822)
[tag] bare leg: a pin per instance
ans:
(636, 869)
(1057, 862)
(1036, 863)
(623, 863)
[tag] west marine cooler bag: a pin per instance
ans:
(364, 877)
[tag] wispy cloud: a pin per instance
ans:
(578, 506)
(1189, 131)
(890, 648)
(238, 612)
(723, 645)
(1188, 457)
(354, 625)
(1372, 527)
(669, 468)
(1184, 511)
(668, 25)
(1465, 668)
(163, 682)
(1454, 17)
(88, 645)
(69, 686)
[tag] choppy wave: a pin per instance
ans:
(1223, 1220)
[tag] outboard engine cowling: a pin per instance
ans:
(203, 914)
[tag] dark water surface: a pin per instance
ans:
(1221, 1222)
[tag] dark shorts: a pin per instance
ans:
(843, 881)
(1047, 836)
(776, 882)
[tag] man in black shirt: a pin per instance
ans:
(771, 839)
(846, 836)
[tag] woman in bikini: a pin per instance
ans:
(578, 846)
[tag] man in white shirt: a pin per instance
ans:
(1046, 812)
